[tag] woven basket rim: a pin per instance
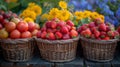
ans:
(98, 41)
(57, 41)
(15, 41)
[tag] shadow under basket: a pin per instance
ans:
(98, 50)
(17, 50)
(58, 50)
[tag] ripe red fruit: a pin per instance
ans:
(54, 30)
(69, 22)
(103, 34)
(43, 34)
(55, 19)
(79, 30)
(83, 27)
(64, 30)
(91, 24)
(48, 24)
(69, 27)
(108, 28)
(49, 30)
(5, 15)
(38, 34)
(73, 33)
(5, 21)
(86, 33)
(43, 29)
(93, 29)
(31, 26)
(1, 26)
(110, 33)
(37, 26)
(66, 36)
(96, 33)
(102, 27)
(34, 32)
(58, 35)
(15, 34)
(22, 26)
(15, 15)
(26, 34)
(73, 28)
(116, 34)
(60, 24)
(53, 24)
(10, 26)
(1, 18)
(106, 38)
(97, 21)
(50, 36)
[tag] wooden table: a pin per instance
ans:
(36, 61)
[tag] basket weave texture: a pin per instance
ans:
(18, 50)
(0, 48)
(58, 50)
(98, 50)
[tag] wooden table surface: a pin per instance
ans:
(36, 61)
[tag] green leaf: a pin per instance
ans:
(85, 21)
(12, 5)
(3, 7)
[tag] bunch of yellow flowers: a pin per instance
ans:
(88, 14)
(62, 14)
(31, 12)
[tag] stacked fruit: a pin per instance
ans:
(57, 30)
(98, 30)
(16, 28)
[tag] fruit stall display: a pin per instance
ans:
(16, 36)
(57, 40)
(62, 30)
(101, 39)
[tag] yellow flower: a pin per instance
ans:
(102, 18)
(63, 4)
(64, 14)
(28, 19)
(79, 18)
(50, 17)
(44, 16)
(95, 14)
(86, 13)
(28, 13)
(79, 15)
(37, 9)
(31, 4)
(54, 12)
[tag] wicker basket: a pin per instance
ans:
(0, 48)
(98, 50)
(18, 50)
(58, 50)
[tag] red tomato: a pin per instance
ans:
(10, 26)
(22, 26)
(15, 34)
(31, 26)
(26, 34)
